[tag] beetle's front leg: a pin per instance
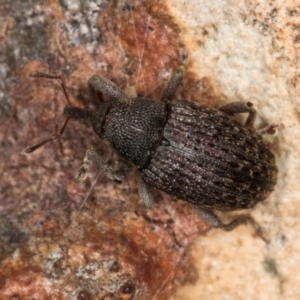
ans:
(107, 87)
(91, 156)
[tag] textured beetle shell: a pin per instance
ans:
(210, 160)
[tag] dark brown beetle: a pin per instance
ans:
(195, 153)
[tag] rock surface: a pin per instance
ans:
(246, 51)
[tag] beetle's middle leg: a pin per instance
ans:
(240, 107)
(216, 222)
(91, 156)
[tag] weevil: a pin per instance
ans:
(192, 152)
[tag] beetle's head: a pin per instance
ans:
(95, 116)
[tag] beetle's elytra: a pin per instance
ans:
(210, 160)
(195, 153)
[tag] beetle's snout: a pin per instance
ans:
(77, 113)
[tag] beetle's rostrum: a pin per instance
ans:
(192, 152)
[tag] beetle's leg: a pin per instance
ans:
(172, 86)
(175, 81)
(108, 88)
(240, 107)
(145, 193)
(215, 222)
(91, 156)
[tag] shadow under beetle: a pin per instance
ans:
(195, 153)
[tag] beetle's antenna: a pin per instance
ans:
(58, 78)
(56, 136)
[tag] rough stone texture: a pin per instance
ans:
(110, 250)
(48, 248)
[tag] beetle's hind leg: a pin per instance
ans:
(92, 157)
(216, 222)
(247, 107)
(234, 108)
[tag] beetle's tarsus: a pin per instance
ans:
(26, 151)
(234, 108)
(270, 129)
